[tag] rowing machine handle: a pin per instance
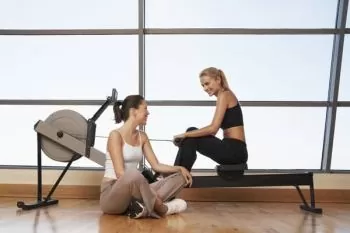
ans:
(178, 141)
(114, 95)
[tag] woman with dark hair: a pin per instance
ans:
(124, 190)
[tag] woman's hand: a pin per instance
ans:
(186, 175)
(178, 139)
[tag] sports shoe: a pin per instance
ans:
(176, 206)
(136, 209)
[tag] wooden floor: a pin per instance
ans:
(84, 216)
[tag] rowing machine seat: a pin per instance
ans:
(231, 171)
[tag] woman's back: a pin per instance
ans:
(233, 123)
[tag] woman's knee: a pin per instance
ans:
(191, 129)
(189, 142)
(179, 179)
(134, 176)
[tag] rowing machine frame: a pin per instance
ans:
(90, 141)
(263, 180)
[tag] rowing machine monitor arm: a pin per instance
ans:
(91, 129)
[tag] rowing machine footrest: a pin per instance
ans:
(231, 171)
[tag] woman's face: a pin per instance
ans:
(142, 113)
(210, 85)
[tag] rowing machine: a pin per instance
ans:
(56, 138)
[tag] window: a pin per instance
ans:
(277, 137)
(340, 157)
(19, 137)
(257, 67)
(166, 122)
(65, 14)
(240, 14)
(344, 84)
(68, 67)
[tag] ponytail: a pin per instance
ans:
(118, 112)
(121, 109)
(224, 82)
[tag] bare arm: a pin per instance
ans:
(152, 159)
(159, 167)
(114, 146)
(212, 129)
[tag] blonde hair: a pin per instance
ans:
(215, 73)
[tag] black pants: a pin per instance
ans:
(225, 151)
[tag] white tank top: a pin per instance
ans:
(132, 157)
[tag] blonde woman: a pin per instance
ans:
(228, 116)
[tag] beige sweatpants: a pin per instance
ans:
(116, 194)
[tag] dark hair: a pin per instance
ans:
(121, 108)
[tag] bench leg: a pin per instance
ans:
(306, 206)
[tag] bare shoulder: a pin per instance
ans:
(228, 98)
(114, 140)
(144, 137)
(231, 98)
(114, 135)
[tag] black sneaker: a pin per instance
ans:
(135, 209)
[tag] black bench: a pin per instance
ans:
(233, 176)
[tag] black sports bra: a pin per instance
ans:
(233, 117)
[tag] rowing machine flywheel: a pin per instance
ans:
(69, 122)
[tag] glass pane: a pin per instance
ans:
(240, 14)
(19, 138)
(280, 138)
(344, 83)
(68, 67)
(257, 67)
(65, 14)
(341, 149)
(165, 122)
